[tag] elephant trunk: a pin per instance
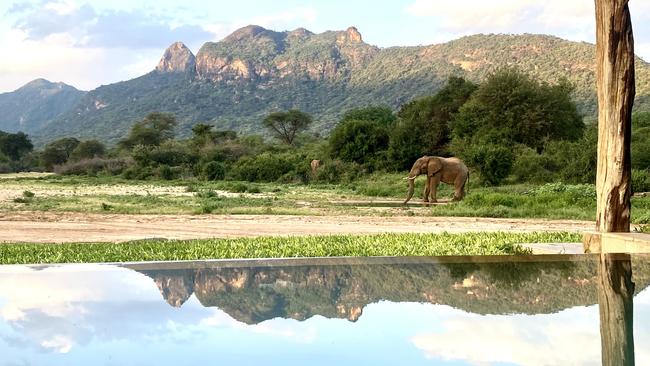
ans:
(411, 185)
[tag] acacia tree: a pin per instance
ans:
(286, 125)
(58, 152)
(155, 128)
(87, 150)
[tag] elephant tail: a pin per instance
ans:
(467, 184)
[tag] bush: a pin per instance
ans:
(494, 162)
(640, 181)
(335, 171)
(529, 166)
(214, 170)
(166, 172)
(266, 167)
(358, 141)
(137, 173)
(170, 153)
(87, 150)
(94, 167)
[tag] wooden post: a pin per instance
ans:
(615, 79)
(615, 292)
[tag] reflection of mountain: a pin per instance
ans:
(255, 294)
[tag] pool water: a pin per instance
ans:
(537, 310)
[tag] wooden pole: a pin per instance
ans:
(615, 79)
(615, 293)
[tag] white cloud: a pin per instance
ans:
(507, 15)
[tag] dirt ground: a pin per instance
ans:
(52, 227)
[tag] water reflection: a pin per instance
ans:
(482, 285)
(377, 311)
(615, 294)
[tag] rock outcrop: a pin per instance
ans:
(177, 58)
(254, 53)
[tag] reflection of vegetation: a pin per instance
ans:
(254, 294)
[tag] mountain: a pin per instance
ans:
(235, 82)
(35, 104)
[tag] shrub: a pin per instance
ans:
(494, 162)
(265, 167)
(358, 141)
(137, 173)
(165, 172)
(87, 150)
(170, 153)
(94, 167)
(529, 166)
(213, 170)
(335, 171)
(640, 180)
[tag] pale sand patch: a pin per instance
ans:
(51, 227)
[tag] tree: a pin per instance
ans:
(510, 107)
(15, 145)
(155, 128)
(58, 152)
(286, 125)
(380, 115)
(87, 150)
(422, 127)
(358, 141)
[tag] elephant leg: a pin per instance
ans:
(435, 180)
(427, 190)
(459, 191)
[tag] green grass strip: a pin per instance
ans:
(280, 247)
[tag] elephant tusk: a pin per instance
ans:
(409, 178)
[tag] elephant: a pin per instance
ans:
(448, 170)
(315, 164)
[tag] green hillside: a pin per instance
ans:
(237, 81)
(36, 104)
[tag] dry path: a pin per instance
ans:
(50, 227)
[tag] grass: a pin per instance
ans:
(101, 194)
(280, 247)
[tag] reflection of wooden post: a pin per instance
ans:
(615, 292)
(615, 80)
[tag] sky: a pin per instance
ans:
(88, 43)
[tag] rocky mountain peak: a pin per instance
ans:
(248, 31)
(300, 33)
(177, 58)
(351, 35)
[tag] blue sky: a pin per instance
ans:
(88, 43)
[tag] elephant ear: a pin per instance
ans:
(434, 165)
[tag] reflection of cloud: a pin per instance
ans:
(59, 344)
(516, 339)
(287, 328)
(60, 307)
